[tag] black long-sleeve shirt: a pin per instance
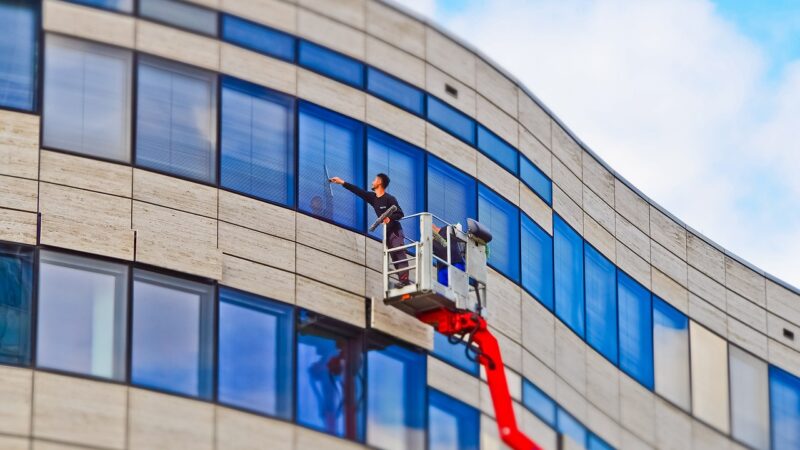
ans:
(380, 204)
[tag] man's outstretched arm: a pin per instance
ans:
(367, 196)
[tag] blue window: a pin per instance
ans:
(396, 382)
(568, 254)
(635, 330)
(82, 315)
(256, 343)
(114, 5)
(499, 150)
(16, 288)
(257, 142)
(328, 62)
(180, 14)
(329, 377)
(451, 423)
(451, 120)
(601, 303)
(671, 353)
(502, 219)
(395, 91)
(535, 179)
(784, 396)
(538, 403)
(451, 193)
(405, 165)
(595, 443)
(176, 119)
(19, 22)
(258, 37)
(180, 313)
(571, 428)
(330, 145)
(537, 262)
(455, 354)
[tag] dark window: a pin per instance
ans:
(257, 142)
(635, 330)
(16, 288)
(328, 62)
(784, 396)
(256, 353)
(502, 219)
(601, 303)
(395, 91)
(568, 254)
(19, 22)
(537, 261)
(538, 403)
(451, 120)
(258, 37)
(451, 423)
(330, 145)
(454, 353)
(497, 149)
(113, 5)
(536, 180)
(180, 14)
(451, 193)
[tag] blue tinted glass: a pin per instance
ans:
(536, 180)
(537, 262)
(180, 313)
(257, 142)
(451, 120)
(330, 145)
(258, 37)
(327, 62)
(451, 423)
(396, 380)
(538, 403)
(570, 427)
(568, 254)
(635, 330)
(18, 53)
(395, 91)
(497, 149)
(178, 13)
(502, 219)
(595, 443)
(256, 339)
(405, 165)
(16, 287)
(784, 396)
(454, 354)
(451, 193)
(601, 303)
(176, 120)
(115, 5)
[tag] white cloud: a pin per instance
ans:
(673, 97)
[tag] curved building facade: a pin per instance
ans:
(176, 272)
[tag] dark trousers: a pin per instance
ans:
(396, 238)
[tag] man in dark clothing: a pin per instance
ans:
(440, 250)
(380, 201)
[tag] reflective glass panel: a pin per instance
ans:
(671, 353)
(454, 354)
(784, 396)
(451, 120)
(537, 261)
(114, 5)
(180, 14)
(601, 303)
(535, 179)
(539, 403)
(16, 291)
(635, 329)
(501, 217)
(709, 357)
(749, 398)
(333, 64)
(498, 150)
(451, 193)
(395, 91)
(595, 443)
(258, 37)
(452, 425)
(568, 255)
(19, 22)
(571, 428)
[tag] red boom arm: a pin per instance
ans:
(452, 323)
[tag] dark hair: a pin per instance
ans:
(384, 179)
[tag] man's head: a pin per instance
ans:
(381, 181)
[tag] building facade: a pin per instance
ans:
(176, 272)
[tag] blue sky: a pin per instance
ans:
(696, 102)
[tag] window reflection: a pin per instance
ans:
(16, 282)
(452, 425)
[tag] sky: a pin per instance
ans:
(695, 102)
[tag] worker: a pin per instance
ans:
(380, 201)
(440, 251)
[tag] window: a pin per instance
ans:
(180, 14)
(539, 403)
(394, 91)
(19, 22)
(256, 340)
(502, 219)
(397, 379)
(178, 313)
(451, 193)
(595, 443)
(16, 287)
(784, 396)
(536, 180)
(709, 357)
(257, 142)
(258, 37)
(87, 98)
(405, 165)
(571, 428)
(125, 6)
(329, 376)
(452, 424)
(568, 251)
(537, 262)
(498, 150)
(455, 354)
(330, 145)
(328, 62)
(635, 330)
(671, 353)
(82, 315)
(451, 120)
(601, 303)
(749, 398)
(176, 120)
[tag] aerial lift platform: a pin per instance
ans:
(453, 304)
